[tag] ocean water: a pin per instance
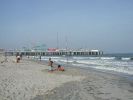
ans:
(121, 63)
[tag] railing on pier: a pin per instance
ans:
(57, 53)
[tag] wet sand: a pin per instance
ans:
(30, 80)
(96, 86)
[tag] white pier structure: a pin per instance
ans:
(57, 52)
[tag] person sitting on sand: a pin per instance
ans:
(60, 68)
(50, 64)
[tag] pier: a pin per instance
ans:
(57, 52)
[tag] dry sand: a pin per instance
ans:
(29, 80)
(25, 80)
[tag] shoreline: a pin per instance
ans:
(97, 85)
(30, 80)
(119, 74)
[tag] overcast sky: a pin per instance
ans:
(95, 24)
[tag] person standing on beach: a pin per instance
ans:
(17, 58)
(40, 57)
(50, 64)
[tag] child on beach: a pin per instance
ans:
(60, 68)
(50, 64)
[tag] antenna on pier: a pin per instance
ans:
(67, 50)
(57, 41)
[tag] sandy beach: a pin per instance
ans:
(29, 80)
